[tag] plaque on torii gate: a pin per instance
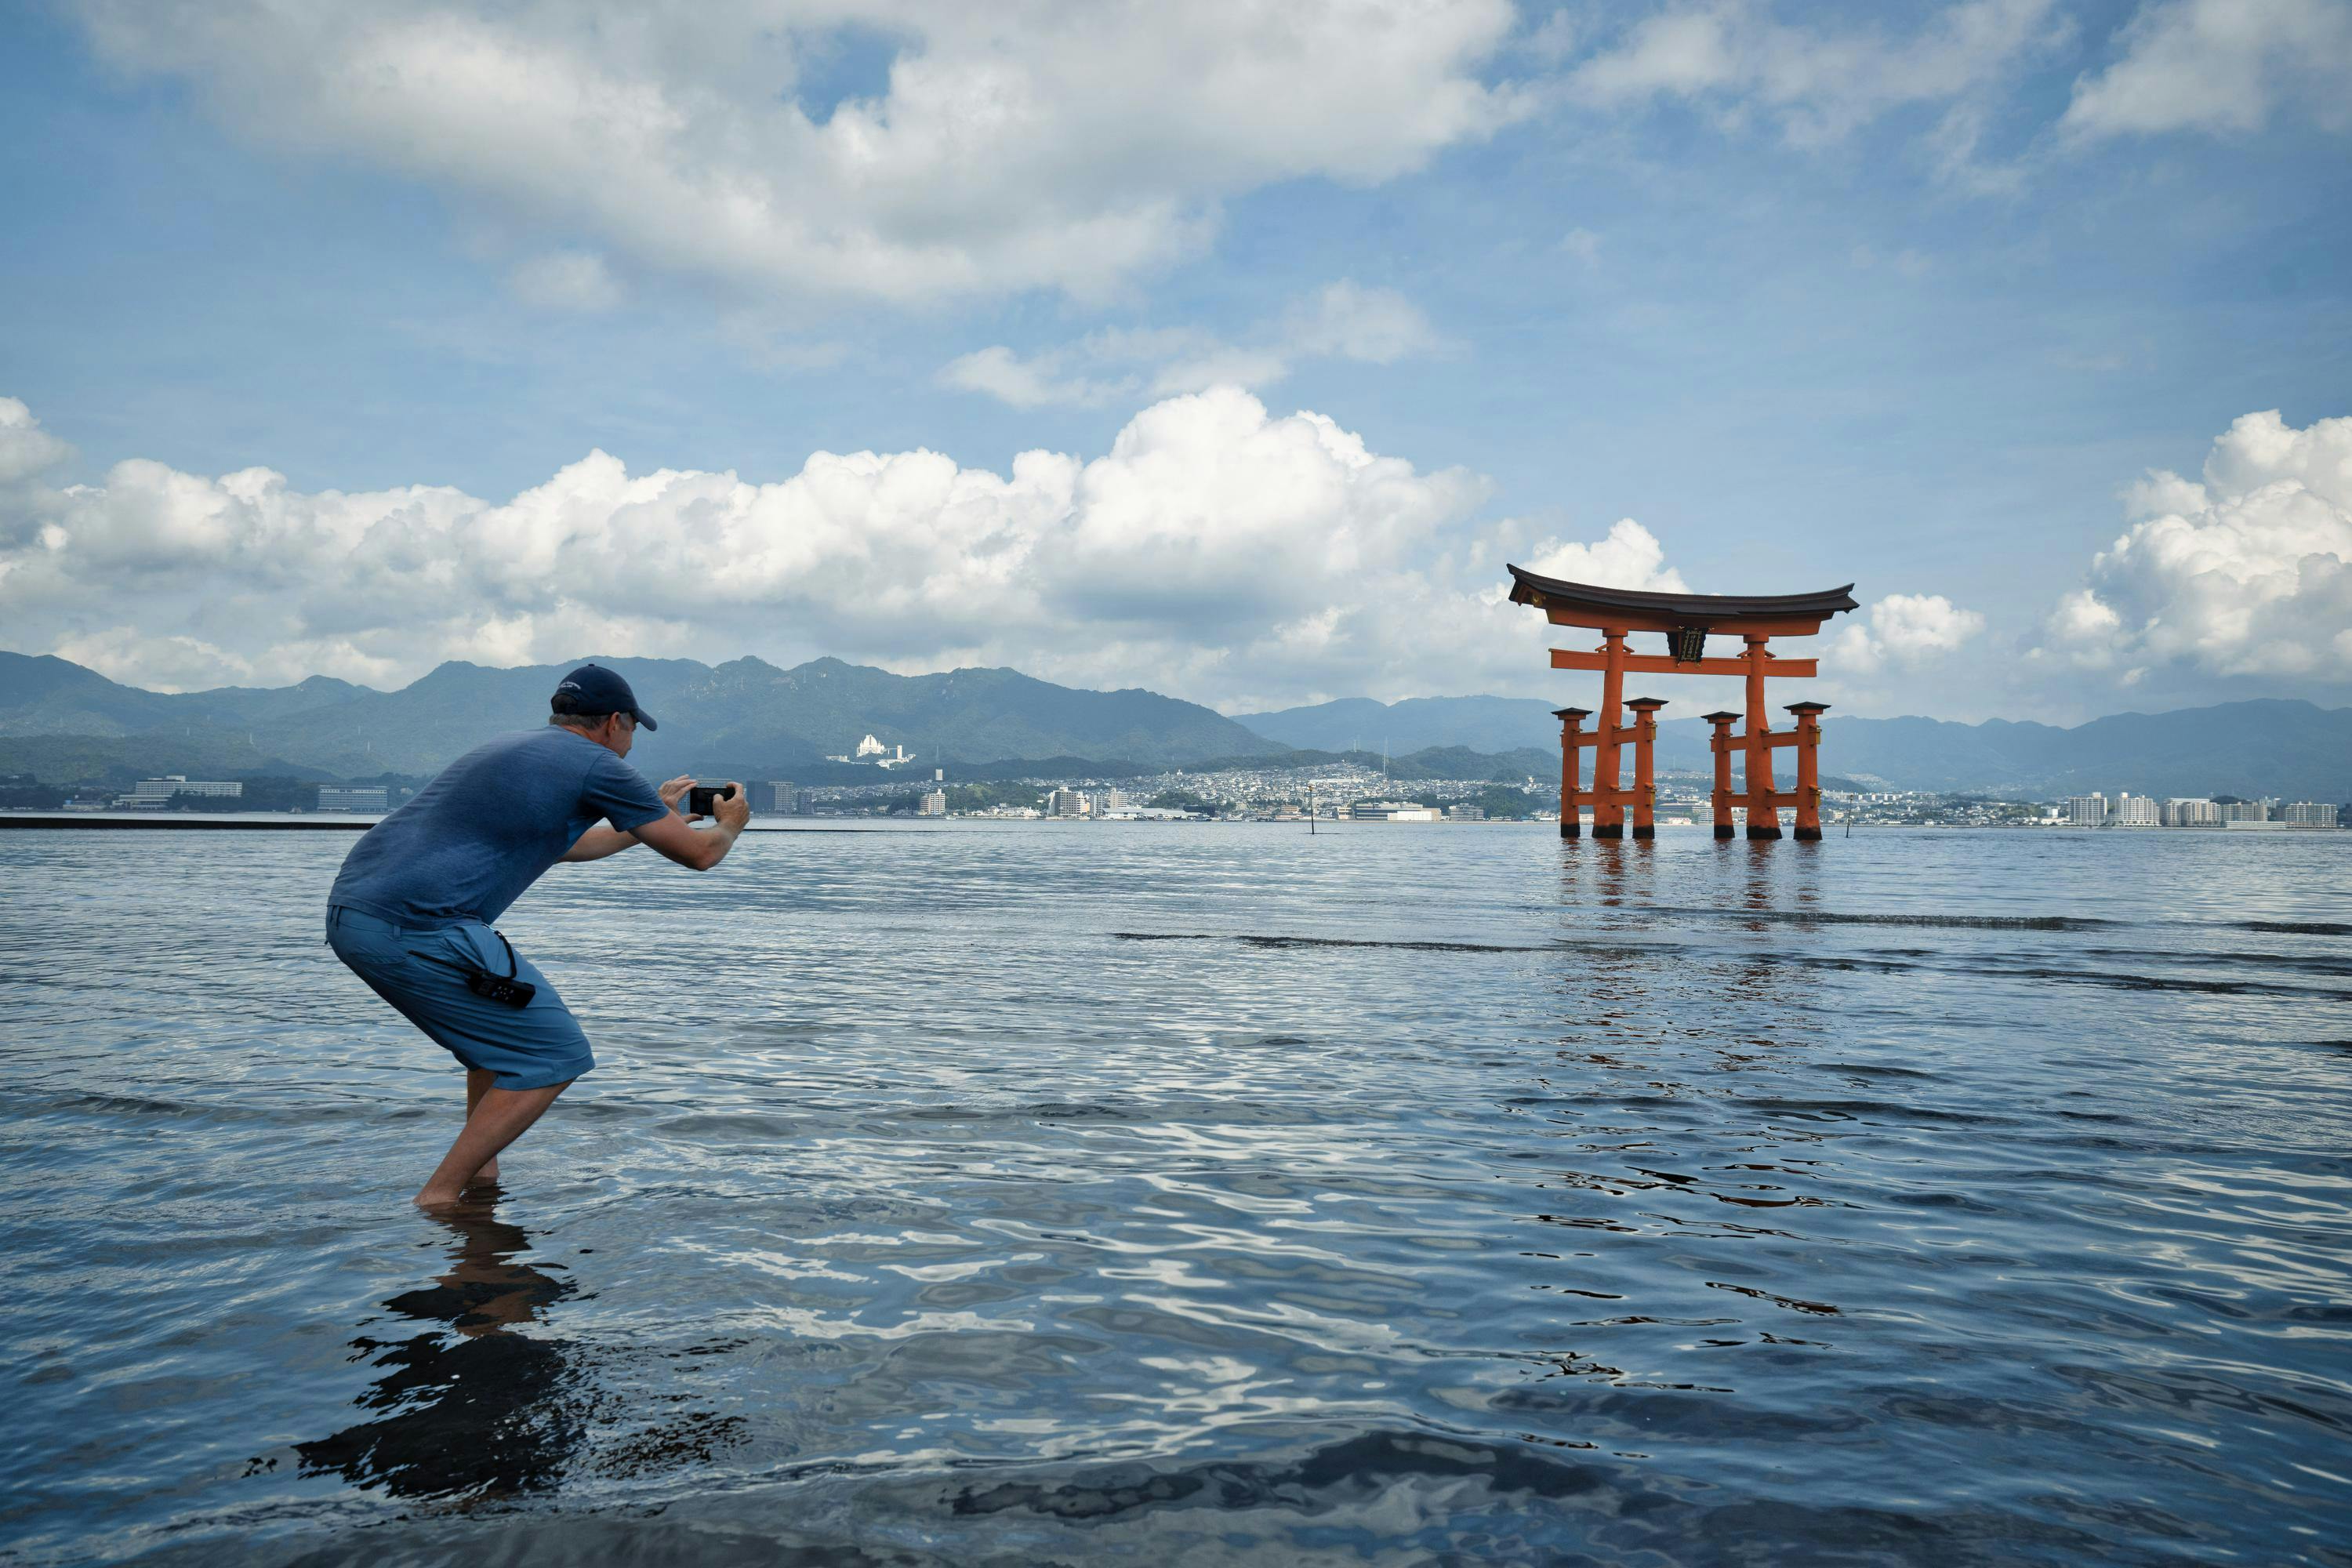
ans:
(1686, 620)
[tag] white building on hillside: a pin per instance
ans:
(871, 750)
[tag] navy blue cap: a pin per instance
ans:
(595, 691)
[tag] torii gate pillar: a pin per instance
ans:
(1720, 743)
(1646, 777)
(1763, 806)
(1808, 768)
(1571, 763)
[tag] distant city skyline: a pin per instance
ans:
(1233, 371)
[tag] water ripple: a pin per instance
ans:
(1219, 1197)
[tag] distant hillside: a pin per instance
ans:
(747, 718)
(1479, 723)
(747, 713)
(120, 759)
(46, 695)
(2271, 746)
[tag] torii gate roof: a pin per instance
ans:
(1723, 612)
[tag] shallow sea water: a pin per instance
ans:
(1033, 1193)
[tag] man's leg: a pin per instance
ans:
(497, 1118)
(479, 1080)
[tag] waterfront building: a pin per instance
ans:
(1466, 813)
(153, 794)
(1066, 803)
(780, 795)
(2085, 811)
(1392, 811)
(1114, 800)
(354, 797)
(2187, 811)
(2135, 811)
(2309, 814)
(2245, 810)
(935, 804)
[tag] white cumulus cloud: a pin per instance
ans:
(158, 663)
(1903, 631)
(1030, 383)
(1629, 556)
(1816, 83)
(2246, 571)
(1216, 550)
(2220, 66)
(1019, 144)
(25, 447)
(1344, 320)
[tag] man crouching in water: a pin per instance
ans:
(411, 907)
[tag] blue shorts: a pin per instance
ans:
(421, 971)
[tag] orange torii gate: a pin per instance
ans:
(1687, 620)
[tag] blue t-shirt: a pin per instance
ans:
(487, 827)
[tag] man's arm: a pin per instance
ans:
(600, 841)
(699, 851)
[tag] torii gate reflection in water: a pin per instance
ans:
(1687, 620)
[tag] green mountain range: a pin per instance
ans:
(2266, 746)
(747, 718)
(745, 715)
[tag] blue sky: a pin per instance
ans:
(1809, 293)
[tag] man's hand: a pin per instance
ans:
(671, 837)
(675, 791)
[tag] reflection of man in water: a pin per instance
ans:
(412, 909)
(481, 1415)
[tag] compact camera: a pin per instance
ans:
(702, 799)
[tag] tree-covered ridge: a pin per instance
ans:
(745, 713)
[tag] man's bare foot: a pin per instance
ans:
(433, 1200)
